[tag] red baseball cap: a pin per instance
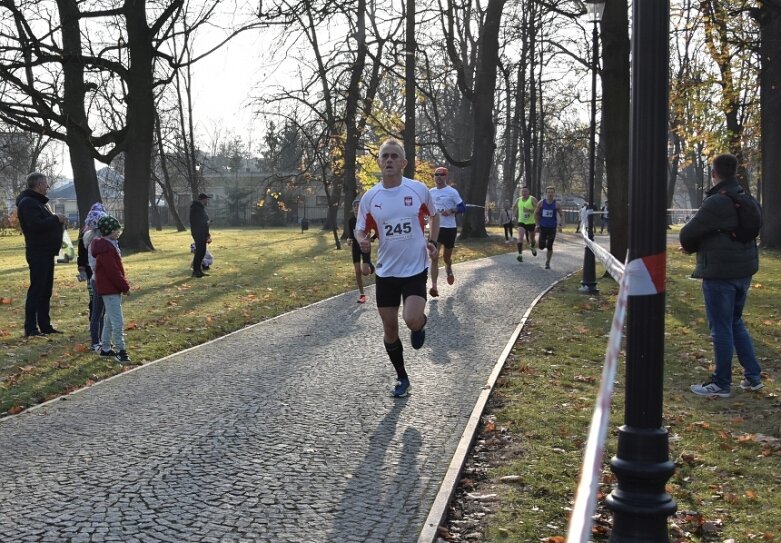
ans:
(441, 169)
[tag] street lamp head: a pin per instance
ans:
(594, 10)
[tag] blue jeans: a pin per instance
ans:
(96, 314)
(724, 301)
(113, 323)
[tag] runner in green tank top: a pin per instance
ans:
(526, 205)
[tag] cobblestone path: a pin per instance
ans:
(282, 432)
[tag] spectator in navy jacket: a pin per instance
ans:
(42, 241)
(199, 227)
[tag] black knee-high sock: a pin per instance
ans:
(396, 355)
(520, 247)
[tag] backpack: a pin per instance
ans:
(749, 216)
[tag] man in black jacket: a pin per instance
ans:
(199, 228)
(725, 266)
(42, 241)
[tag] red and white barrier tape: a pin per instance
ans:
(586, 497)
(612, 265)
(640, 277)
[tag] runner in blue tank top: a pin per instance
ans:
(545, 214)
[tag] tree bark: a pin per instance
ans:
(77, 131)
(770, 107)
(410, 49)
(140, 129)
(351, 113)
(615, 110)
(483, 146)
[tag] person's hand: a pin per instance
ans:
(433, 249)
(208, 239)
(62, 218)
(349, 242)
(365, 245)
(446, 213)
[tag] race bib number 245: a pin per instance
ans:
(397, 229)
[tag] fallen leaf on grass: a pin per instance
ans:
(131, 326)
(688, 458)
(585, 379)
(80, 348)
(15, 410)
(6, 301)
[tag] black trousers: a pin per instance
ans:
(39, 295)
(200, 252)
(508, 231)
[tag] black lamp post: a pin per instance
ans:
(640, 502)
(588, 284)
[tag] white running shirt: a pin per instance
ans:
(397, 215)
(446, 198)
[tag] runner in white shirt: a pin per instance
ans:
(449, 203)
(395, 208)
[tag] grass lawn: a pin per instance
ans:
(727, 452)
(257, 274)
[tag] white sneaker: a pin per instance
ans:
(96, 347)
(711, 390)
(745, 384)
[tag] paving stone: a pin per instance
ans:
(284, 431)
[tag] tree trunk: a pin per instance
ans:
(615, 110)
(165, 184)
(140, 129)
(410, 48)
(350, 115)
(510, 142)
(483, 146)
(770, 107)
(85, 179)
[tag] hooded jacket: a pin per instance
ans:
(109, 271)
(708, 235)
(42, 229)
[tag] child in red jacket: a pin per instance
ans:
(110, 284)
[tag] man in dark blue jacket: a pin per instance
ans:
(199, 228)
(725, 266)
(42, 241)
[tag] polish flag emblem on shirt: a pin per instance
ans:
(408, 200)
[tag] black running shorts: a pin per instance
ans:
(358, 255)
(447, 237)
(547, 237)
(390, 291)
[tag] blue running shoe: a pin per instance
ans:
(401, 389)
(418, 338)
